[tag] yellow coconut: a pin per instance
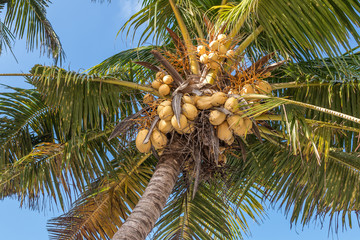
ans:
(201, 49)
(214, 45)
(223, 131)
(188, 99)
(247, 89)
(190, 111)
(165, 126)
(216, 117)
(221, 37)
(230, 141)
(161, 151)
(139, 141)
(218, 99)
(213, 65)
(247, 125)
(231, 104)
(222, 49)
(148, 98)
(189, 128)
(233, 91)
(164, 89)
(166, 113)
(160, 75)
(168, 79)
(165, 103)
(156, 84)
(264, 87)
(213, 57)
(204, 58)
(236, 123)
(204, 102)
(158, 139)
(183, 122)
(230, 53)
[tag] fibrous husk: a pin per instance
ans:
(165, 126)
(223, 131)
(158, 139)
(139, 141)
(218, 99)
(167, 79)
(216, 117)
(183, 122)
(166, 113)
(164, 89)
(190, 111)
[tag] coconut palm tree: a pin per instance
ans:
(24, 18)
(289, 134)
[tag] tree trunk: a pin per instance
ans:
(144, 216)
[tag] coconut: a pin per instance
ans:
(247, 124)
(183, 122)
(204, 58)
(156, 84)
(236, 123)
(222, 49)
(189, 128)
(148, 98)
(201, 49)
(221, 37)
(168, 79)
(216, 117)
(214, 45)
(264, 87)
(231, 104)
(218, 98)
(190, 111)
(165, 126)
(188, 99)
(164, 89)
(230, 53)
(230, 141)
(139, 141)
(233, 91)
(161, 151)
(158, 139)
(160, 75)
(213, 57)
(162, 105)
(166, 113)
(204, 102)
(213, 65)
(223, 131)
(247, 89)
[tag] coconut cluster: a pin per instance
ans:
(163, 83)
(222, 111)
(217, 49)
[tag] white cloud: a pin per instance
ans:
(128, 8)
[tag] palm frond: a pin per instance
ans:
(28, 18)
(108, 201)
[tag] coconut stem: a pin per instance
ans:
(194, 65)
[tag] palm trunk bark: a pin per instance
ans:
(144, 216)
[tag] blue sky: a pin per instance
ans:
(88, 34)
